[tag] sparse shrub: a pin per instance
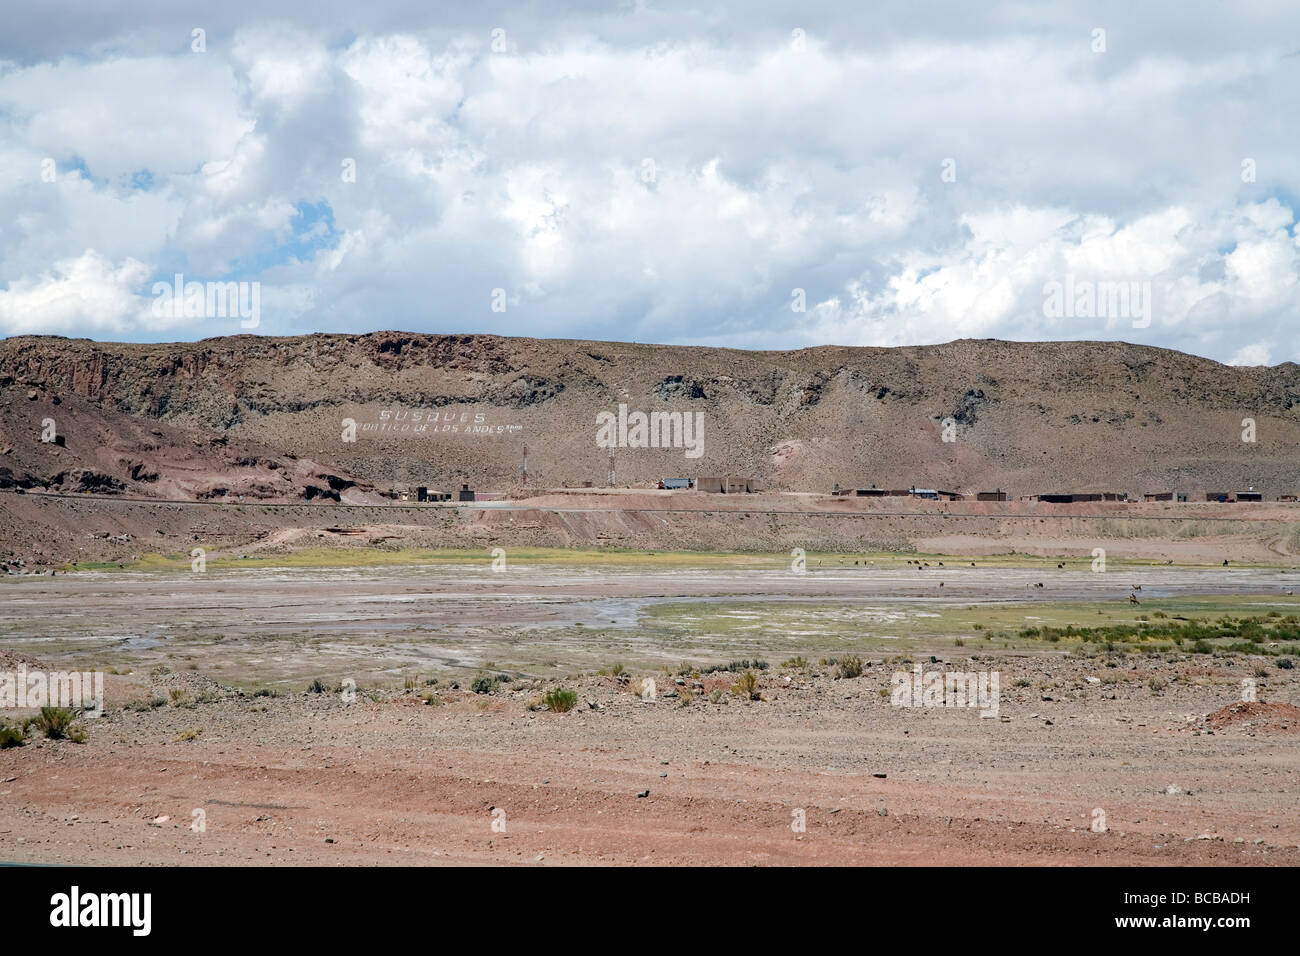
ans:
(1021, 682)
(849, 667)
(736, 666)
(11, 736)
(264, 692)
(684, 697)
(317, 686)
(1285, 663)
(145, 703)
(746, 686)
(191, 734)
(483, 684)
(614, 670)
(179, 697)
(959, 642)
(561, 700)
(54, 722)
(796, 662)
(1157, 685)
(715, 695)
(1261, 672)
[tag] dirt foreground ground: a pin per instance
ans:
(481, 779)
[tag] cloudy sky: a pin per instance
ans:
(743, 174)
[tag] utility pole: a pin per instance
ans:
(524, 467)
(611, 466)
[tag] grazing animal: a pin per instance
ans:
(1136, 587)
(1225, 562)
(1060, 565)
(972, 564)
(940, 584)
(1039, 584)
(1133, 599)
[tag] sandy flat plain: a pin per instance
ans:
(419, 769)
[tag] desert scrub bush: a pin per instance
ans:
(179, 697)
(848, 667)
(1261, 672)
(1285, 663)
(145, 703)
(614, 670)
(11, 735)
(746, 686)
(715, 695)
(736, 666)
(684, 697)
(317, 686)
(1157, 685)
(796, 662)
(561, 700)
(959, 642)
(483, 684)
(188, 734)
(1021, 682)
(54, 722)
(265, 692)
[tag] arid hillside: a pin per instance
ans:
(1025, 417)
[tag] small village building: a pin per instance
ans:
(998, 495)
(465, 493)
(725, 484)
